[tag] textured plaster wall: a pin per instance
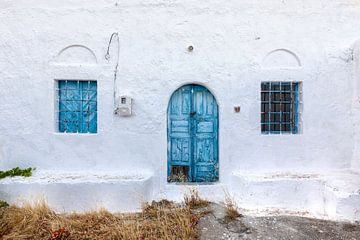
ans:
(237, 44)
(356, 103)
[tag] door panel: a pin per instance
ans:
(180, 126)
(180, 154)
(205, 127)
(193, 133)
(205, 136)
(179, 137)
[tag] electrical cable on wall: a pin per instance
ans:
(107, 57)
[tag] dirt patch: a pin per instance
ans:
(214, 227)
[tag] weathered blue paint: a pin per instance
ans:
(296, 107)
(77, 106)
(193, 133)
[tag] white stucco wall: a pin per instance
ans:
(356, 104)
(233, 45)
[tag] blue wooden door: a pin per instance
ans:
(193, 133)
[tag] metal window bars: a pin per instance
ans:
(77, 106)
(279, 107)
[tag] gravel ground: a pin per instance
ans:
(214, 227)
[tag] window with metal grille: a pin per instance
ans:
(279, 107)
(77, 106)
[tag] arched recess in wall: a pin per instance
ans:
(75, 54)
(281, 58)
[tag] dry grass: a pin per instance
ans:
(158, 220)
(231, 209)
(194, 201)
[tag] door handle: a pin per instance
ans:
(192, 114)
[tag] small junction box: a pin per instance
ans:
(124, 106)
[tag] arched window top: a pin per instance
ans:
(281, 58)
(76, 54)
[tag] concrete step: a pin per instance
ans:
(345, 190)
(77, 191)
(214, 192)
(334, 195)
(331, 195)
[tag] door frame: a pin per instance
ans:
(168, 170)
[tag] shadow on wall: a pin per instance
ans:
(281, 58)
(75, 55)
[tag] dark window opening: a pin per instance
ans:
(179, 174)
(279, 107)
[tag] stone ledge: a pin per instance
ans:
(331, 195)
(214, 192)
(334, 195)
(67, 192)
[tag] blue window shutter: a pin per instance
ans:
(77, 106)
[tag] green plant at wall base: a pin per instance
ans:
(3, 204)
(27, 172)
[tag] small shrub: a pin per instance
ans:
(151, 210)
(27, 172)
(3, 204)
(231, 209)
(193, 200)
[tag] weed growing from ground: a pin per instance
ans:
(193, 200)
(231, 209)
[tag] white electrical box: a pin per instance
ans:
(124, 106)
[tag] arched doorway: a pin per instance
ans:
(192, 129)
